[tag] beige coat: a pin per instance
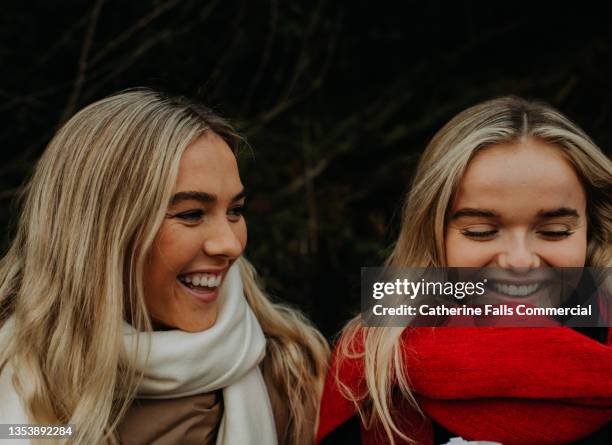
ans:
(185, 421)
(192, 420)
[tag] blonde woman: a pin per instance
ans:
(126, 308)
(510, 184)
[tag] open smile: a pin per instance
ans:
(516, 290)
(530, 292)
(202, 286)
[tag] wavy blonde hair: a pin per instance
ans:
(74, 270)
(421, 239)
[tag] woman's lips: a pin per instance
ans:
(515, 289)
(529, 293)
(205, 295)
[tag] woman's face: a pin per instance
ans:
(521, 208)
(202, 235)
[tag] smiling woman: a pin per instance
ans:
(514, 187)
(520, 226)
(203, 234)
(521, 221)
(126, 306)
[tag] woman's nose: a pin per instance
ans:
(223, 241)
(518, 255)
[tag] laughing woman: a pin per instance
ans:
(508, 184)
(126, 308)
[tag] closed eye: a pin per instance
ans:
(479, 234)
(556, 234)
(546, 233)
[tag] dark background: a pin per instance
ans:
(337, 100)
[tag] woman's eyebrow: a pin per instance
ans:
(203, 197)
(478, 213)
(486, 213)
(561, 211)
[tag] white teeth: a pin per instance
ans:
(516, 291)
(203, 280)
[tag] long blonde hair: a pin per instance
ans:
(421, 239)
(74, 270)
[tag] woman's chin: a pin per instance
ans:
(201, 323)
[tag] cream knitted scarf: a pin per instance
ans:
(225, 356)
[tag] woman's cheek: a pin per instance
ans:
(463, 252)
(570, 253)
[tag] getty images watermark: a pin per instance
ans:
(401, 297)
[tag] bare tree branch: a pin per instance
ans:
(265, 56)
(106, 74)
(80, 78)
(311, 199)
(65, 39)
(10, 194)
(140, 24)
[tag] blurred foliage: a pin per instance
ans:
(337, 100)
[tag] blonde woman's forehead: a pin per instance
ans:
(521, 176)
(209, 165)
(209, 145)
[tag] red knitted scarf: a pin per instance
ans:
(515, 386)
